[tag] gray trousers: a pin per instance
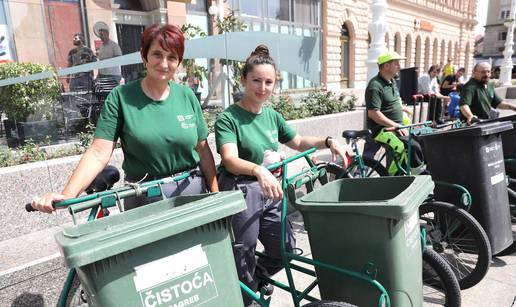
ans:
(192, 185)
(261, 220)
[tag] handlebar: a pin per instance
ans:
(89, 201)
(109, 198)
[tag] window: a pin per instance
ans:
(306, 11)
(502, 36)
(278, 9)
(251, 8)
(132, 5)
(344, 56)
(198, 6)
(504, 14)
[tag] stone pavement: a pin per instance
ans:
(497, 289)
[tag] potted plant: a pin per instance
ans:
(28, 105)
(195, 74)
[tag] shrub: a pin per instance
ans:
(286, 107)
(320, 103)
(21, 100)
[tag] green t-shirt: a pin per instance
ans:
(479, 98)
(252, 133)
(383, 95)
(158, 137)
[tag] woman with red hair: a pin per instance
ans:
(159, 124)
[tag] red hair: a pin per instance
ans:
(169, 38)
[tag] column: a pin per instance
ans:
(377, 28)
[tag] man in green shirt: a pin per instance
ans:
(383, 101)
(478, 99)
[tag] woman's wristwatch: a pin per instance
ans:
(327, 141)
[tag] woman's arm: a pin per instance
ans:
(269, 184)
(207, 165)
(91, 164)
(302, 143)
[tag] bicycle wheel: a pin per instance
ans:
(76, 296)
(328, 304)
(459, 238)
(440, 286)
(373, 168)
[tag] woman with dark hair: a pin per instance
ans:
(247, 134)
(160, 126)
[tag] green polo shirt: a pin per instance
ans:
(479, 98)
(252, 133)
(383, 95)
(158, 137)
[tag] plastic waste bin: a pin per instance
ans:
(175, 252)
(508, 137)
(368, 224)
(473, 158)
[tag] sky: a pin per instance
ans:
(481, 16)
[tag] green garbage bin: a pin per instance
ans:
(175, 252)
(368, 224)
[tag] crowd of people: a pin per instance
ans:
(162, 131)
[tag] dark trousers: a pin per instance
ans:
(192, 185)
(260, 221)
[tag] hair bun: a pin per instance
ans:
(261, 50)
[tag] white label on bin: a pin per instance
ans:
(158, 271)
(411, 228)
(183, 279)
(497, 178)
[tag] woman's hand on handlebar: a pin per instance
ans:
(270, 186)
(45, 203)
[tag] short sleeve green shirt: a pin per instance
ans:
(383, 95)
(252, 133)
(479, 98)
(158, 137)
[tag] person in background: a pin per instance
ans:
(160, 126)
(80, 54)
(248, 134)
(108, 49)
(448, 69)
(478, 98)
(428, 84)
(450, 82)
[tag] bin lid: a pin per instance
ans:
(472, 131)
(102, 238)
(509, 118)
(389, 197)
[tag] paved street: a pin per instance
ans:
(497, 289)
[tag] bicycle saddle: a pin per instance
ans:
(104, 180)
(356, 134)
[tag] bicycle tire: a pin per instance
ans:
(440, 286)
(325, 303)
(76, 297)
(374, 168)
(459, 238)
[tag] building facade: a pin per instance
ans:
(426, 32)
(496, 32)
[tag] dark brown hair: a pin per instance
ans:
(169, 38)
(437, 68)
(260, 56)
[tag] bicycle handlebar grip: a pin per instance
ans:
(29, 208)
